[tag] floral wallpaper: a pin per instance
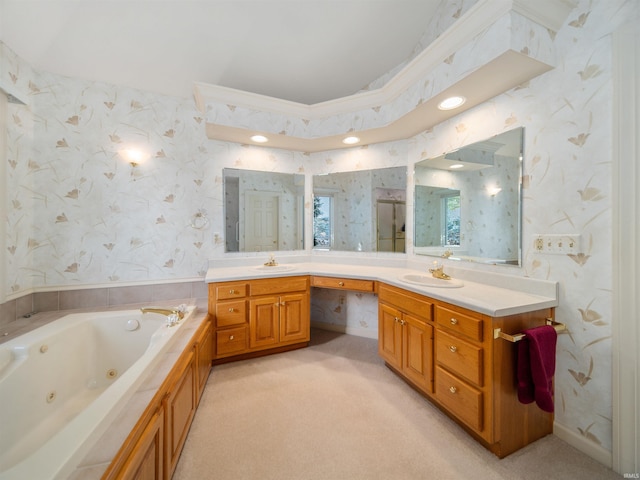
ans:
(78, 213)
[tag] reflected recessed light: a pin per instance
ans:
(456, 165)
(350, 140)
(259, 138)
(451, 102)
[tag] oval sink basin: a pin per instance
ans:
(430, 281)
(275, 268)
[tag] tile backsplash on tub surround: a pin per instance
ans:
(20, 308)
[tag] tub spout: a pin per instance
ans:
(174, 315)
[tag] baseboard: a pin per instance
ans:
(358, 332)
(581, 443)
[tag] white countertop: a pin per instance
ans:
(489, 293)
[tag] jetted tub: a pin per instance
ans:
(63, 384)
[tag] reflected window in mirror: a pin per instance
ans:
(467, 203)
(322, 222)
(367, 210)
(263, 211)
(451, 215)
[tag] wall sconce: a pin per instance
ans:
(134, 156)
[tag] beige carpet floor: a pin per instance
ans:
(334, 411)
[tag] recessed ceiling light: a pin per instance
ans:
(456, 165)
(259, 138)
(350, 140)
(451, 103)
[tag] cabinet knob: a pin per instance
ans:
(231, 310)
(453, 348)
(453, 389)
(396, 319)
(402, 322)
(232, 291)
(341, 284)
(282, 304)
(230, 337)
(454, 321)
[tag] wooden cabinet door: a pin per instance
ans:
(390, 335)
(180, 406)
(417, 352)
(294, 318)
(146, 461)
(264, 322)
(205, 353)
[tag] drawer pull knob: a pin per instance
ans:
(232, 291)
(341, 284)
(453, 348)
(454, 321)
(230, 337)
(453, 389)
(231, 310)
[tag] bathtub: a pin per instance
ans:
(63, 384)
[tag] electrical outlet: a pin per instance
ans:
(557, 243)
(538, 243)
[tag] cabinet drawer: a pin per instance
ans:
(271, 286)
(227, 291)
(231, 312)
(459, 322)
(459, 356)
(342, 283)
(407, 301)
(231, 340)
(459, 398)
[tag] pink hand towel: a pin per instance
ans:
(536, 366)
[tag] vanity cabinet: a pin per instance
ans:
(340, 283)
(460, 367)
(405, 334)
(473, 371)
(257, 316)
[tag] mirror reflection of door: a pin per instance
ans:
(390, 226)
(261, 222)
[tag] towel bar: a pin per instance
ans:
(498, 333)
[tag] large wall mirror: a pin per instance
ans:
(467, 203)
(360, 211)
(263, 211)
